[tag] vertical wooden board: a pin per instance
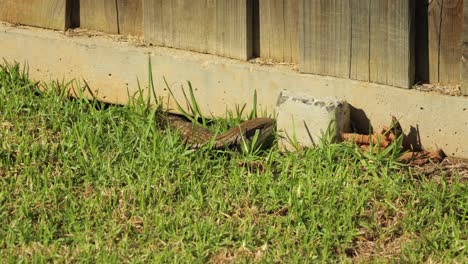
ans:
(464, 69)
(221, 27)
(291, 21)
(451, 33)
(99, 15)
(434, 21)
(445, 29)
(360, 39)
(279, 30)
(153, 23)
(266, 27)
(325, 37)
(194, 23)
(234, 31)
(41, 13)
(465, 22)
(392, 42)
(130, 15)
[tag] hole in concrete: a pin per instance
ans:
(422, 108)
(110, 74)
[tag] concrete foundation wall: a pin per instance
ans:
(111, 69)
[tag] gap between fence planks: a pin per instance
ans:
(40, 13)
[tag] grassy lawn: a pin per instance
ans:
(83, 181)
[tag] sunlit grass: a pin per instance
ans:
(85, 181)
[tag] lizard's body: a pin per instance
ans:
(196, 136)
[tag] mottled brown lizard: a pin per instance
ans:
(197, 136)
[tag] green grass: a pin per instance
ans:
(84, 181)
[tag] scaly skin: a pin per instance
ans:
(246, 131)
(197, 136)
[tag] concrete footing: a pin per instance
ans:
(111, 68)
(309, 120)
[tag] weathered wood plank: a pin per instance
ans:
(130, 15)
(41, 13)
(434, 18)
(325, 37)
(99, 15)
(234, 31)
(221, 27)
(465, 22)
(154, 28)
(445, 30)
(464, 68)
(360, 39)
(279, 30)
(451, 32)
(391, 43)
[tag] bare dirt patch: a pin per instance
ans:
(447, 170)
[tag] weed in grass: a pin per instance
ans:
(104, 184)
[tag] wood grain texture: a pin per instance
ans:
(99, 15)
(221, 27)
(279, 39)
(41, 13)
(130, 15)
(445, 30)
(465, 22)
(464, 67)
(464, 70)
(325, 37)
(233, 31)
(392, 42)
(451, 32)
(434, 22)
(360, 39)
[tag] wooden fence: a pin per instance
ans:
(394, 42)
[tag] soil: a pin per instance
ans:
(446, 170)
